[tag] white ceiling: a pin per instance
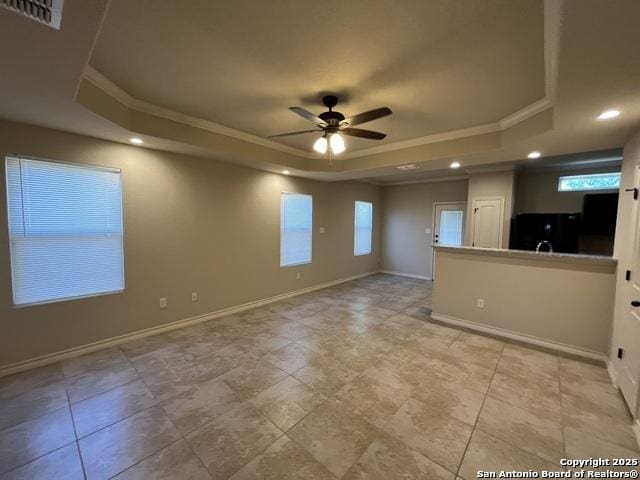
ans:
(440, 65)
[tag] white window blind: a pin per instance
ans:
(65, 230)
(363, 228)
(296, 227)
(451, 227)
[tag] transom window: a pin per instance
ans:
(65, 230)
(597, 181)
(296, 228)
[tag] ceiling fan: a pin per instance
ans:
(332, 124)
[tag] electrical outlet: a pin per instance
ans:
(163, 302)
(480, 303)
(194, 296)
(321, 229)
(298, 276)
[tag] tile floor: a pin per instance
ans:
(353, 381)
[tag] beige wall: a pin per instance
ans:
(537, 192)
(191, 224)
(406, 211)
(491, 185)
(564, 303)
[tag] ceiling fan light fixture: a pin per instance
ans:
(337, 143)
(320, 145)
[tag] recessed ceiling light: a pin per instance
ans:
(608, 114)
(286, 172)
(535, 154)
(455, 165)
(136, 140)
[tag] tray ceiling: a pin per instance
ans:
(439, 65)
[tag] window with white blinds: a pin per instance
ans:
(296, 228)
(65, 230)
(451, 227)
(363, 228)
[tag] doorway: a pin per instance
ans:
(448, 226)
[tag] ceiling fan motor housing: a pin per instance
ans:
(332, 119)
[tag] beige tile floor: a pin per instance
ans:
(353, 381)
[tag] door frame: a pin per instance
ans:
(464, 205)
(472, 225)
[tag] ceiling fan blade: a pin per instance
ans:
(309, 116)
(294, 133)
(359, 132)
(366, 116)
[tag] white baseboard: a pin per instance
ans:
(113, 341)
(613, 375)
(636, 430)
(402, 274)
(562, 347)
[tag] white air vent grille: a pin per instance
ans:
(48, 12)
(404, 168)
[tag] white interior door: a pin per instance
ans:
(448, 226)
(628, 365)
(486, 231)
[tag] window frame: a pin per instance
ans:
(355, 229)
(88, 166)
(282, 197)
(587, 176)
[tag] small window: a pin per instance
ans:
(363, 228)
(598, 181)
(296, 227)
(65, 230)
(451, 227)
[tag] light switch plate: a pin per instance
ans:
(321, 229)
(163, 302)
(427, 231)
(480, 303)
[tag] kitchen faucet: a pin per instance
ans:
(543, 242)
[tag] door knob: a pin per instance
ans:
(635, 303)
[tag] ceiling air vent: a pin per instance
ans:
(404, 168)
(48, 12)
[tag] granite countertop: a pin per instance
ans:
(527, 254)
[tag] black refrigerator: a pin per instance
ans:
(561, 230)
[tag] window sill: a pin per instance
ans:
(295, 264)
(66, 299)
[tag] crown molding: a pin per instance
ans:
(525, 113)
(552, 35)
(490, 169)
(435, 138)
(450, 178)
(552, 32)
(102, 82)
